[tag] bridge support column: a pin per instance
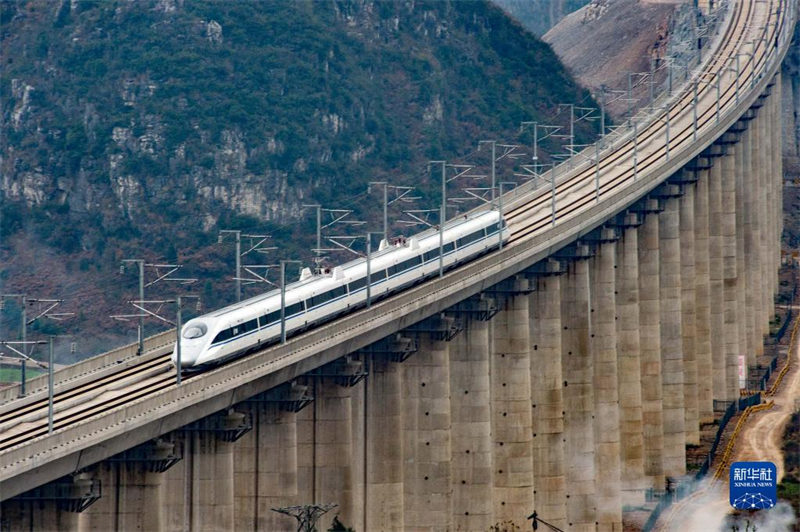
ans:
(547, 400)
(199, 490)
(705, 387)
(511, 395)
(384, 446)
(471, 428)
(672, 370)
(265, 469)
(650, 342)
(426, 437)
(689, 314)
(606, 385)
(762, 235)
(730, 280)
(742, 168)
(716, 281)
(630, 367)
(212, 482)
(133, 496)
(776, 188)
(333, 451)
(576, 360)
(752, 243)
(40, 516)
(769, 231)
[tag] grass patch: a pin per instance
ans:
(789, 489)
(13, 374)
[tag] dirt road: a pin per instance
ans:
(759, 440)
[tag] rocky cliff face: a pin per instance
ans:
(139, 129)
(538, 16)
(604, 40)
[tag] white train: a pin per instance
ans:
(236, 329)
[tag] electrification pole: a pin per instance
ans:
(140, 332)
(284, 262)
(493, 144)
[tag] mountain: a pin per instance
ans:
(538, 16)
(141, 129)
(606, 39)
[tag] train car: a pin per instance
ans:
(234, 330)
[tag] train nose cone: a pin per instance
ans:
(189, 355)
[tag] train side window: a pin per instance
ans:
(321, 299)
(378, 275)
(391, 270)
(357, 284)
(430, 255)
(251, 325)
(294, 309)
(409, 263)
(337, 292)
(223, 335)
(449, 247)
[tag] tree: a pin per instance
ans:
(337, 526)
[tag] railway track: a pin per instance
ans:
(19, 424)
(523, 217)
(528, 215)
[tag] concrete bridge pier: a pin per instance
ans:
(672, 369)
(688, 276)
(752, 247)
(383, 496)
(578, 369)
(762, 234)
(265, 465)
(547, 399)
(328, 459)
(43, 516)
(471, 426)
(603, 340)
(426, 438)
(212, 491)
(742, 167)
(134, 489)
(632, 479)
(716, 272)
(510, 371)
(54, 506)
(650, 344)
(731, 343)
(776, 189)
(705, 387)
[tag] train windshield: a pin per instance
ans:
(195, 330)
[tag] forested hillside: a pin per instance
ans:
(140, 129)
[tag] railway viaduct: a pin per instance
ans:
(564, 373)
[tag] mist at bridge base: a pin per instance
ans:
(780, 518)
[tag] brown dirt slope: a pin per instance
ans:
(605, 39)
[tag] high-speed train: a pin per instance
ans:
(234, 330)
